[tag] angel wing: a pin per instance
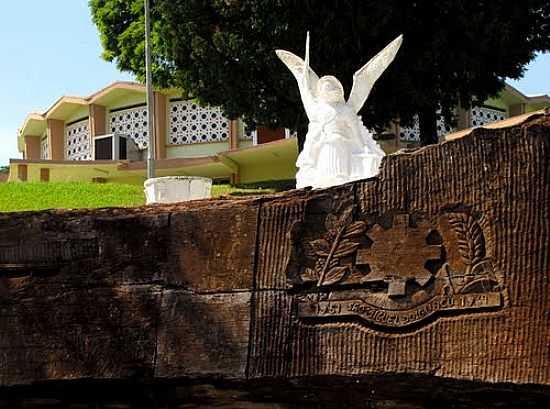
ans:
(364, 79)
(308, 88)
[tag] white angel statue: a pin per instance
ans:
(338, 148)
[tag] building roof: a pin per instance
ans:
(513, 96)
(35, 123)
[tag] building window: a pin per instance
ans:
(44, 148)
(484, 115)
(412, 134)
(190, 123)
(290, 134)
(77, 141)
(249, 133)
(132, 123)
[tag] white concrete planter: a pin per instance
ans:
(174, 189)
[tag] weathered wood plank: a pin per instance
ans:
(76, 334)
(436, 273)
(214, 249)
(203, 335)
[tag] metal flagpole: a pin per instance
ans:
(150, 101)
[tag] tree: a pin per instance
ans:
(221, 51)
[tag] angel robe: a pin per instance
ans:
(338, 148)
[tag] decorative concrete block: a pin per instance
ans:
(174, 189)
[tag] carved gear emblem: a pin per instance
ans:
(396, 270)
(398, 255)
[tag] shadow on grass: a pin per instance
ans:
(274, 185)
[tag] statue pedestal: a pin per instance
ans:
(175, 189)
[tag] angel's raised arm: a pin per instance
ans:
(306, 83)
(364, 79)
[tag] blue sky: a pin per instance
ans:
(34, 32)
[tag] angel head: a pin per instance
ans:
(330, 89)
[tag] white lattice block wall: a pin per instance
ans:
(132, 123)
(443, 128)
(411, 133)
(190, 123)
(44, 149)
(77, 141)
(483, 115)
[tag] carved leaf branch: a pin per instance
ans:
(340, 241)
(470, 238)
(334, 275)
(355, 229)
(320, 247)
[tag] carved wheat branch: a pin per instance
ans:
(469, 236)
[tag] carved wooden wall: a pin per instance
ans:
(421, 284)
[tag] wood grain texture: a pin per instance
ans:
(201, 335)
(431, 280)
(214, 249)
(502, 175)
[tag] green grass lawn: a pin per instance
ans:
(37, 196)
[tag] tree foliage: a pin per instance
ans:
(221, 51)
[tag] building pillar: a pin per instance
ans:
(516, 109)
(397, 129)
(56, 139)
(22, 173)
(32, 147)
(233, 134)
(160, 105)
(44, 174)
(97, 124)
(394, 129)
(463, 118)
(98, 120)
